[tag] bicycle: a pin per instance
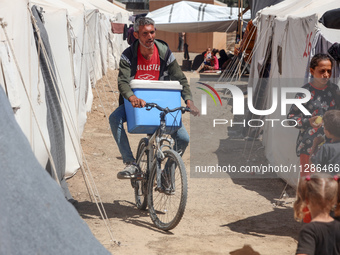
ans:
(160, 182)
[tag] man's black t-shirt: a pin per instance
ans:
(320, 238)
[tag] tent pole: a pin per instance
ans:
(239, 20)
(241, 23)
(240, 27)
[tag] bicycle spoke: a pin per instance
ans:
(140, 185)
(164, 192)
(167, 202)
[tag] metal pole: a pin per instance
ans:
(241, 25)
(239, 21)
(240, 3)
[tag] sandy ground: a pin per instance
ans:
(222, 216)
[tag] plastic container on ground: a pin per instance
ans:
(163, 93)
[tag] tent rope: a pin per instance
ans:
(72, 51)
(55, 176)
(94, 191)
(268, 54)
(232, 74)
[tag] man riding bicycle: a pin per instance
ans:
(146, 59)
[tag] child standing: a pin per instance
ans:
(319, 192)
(323, 98)
(327, 157)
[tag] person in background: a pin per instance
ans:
(320, 193)
(327, 157)
(207, 56)
(322, 100)
(130, 37)
(212, 64)
(181, 41)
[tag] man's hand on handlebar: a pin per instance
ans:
(194, 111)
(136, 102)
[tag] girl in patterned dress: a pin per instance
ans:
(323, 94)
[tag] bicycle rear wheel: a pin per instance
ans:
(167, 203)
(140, 186)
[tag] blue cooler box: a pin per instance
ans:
(163, 93)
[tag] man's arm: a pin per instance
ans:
(193, 108)
(124, 83)
(124, 78)
(177, 74)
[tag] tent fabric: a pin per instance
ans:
(35, 217)
(82, 48)
(186, 16)
(54, 118)
(55, 124)
(257, 5)
(20, 34)
(60, 39)
(7, 66)
(330, 19)
(290, 30)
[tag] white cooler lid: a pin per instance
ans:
(147, 84)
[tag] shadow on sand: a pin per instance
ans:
(119, 209)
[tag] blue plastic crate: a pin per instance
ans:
(163, 93)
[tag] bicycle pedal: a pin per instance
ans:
(169, 192)
(139, 176)
(165, 191)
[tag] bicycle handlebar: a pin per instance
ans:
(166, 110)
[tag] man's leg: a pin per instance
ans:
(181, 138)
(117, 118)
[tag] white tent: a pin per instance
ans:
(257, 5)
(288, 36)
(187, 16)
(35, 217)
(80, 48)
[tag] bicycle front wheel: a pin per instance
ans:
(167, 198)
(140, 186)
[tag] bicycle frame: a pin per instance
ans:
(159, 167)
(155, 146)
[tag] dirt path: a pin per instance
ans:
(222, 214)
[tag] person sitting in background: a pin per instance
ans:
(213, 63)
(207, 56)
(224, 57)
